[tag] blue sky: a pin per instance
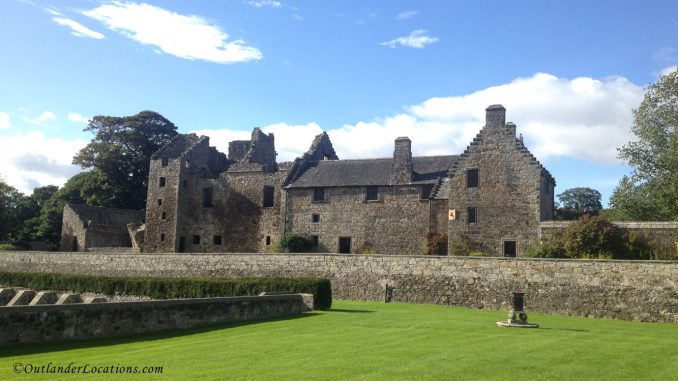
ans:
(568, 72)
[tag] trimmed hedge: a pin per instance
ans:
(172, 288)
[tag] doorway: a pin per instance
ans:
(344, 245)
(182, 244)
(509, 248)
(74, 244)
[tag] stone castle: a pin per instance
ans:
(495, 194)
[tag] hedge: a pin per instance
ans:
(172, 288)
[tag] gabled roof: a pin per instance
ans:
(371, 172)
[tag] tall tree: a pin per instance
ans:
(651, 191)
(575, 202)
(48, 224)
(28, 212)
(119, 156)
(10, 200)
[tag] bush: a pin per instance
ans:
(8, 246)
(464, 245)
(172, 288)
(591, 236)
(295, 243)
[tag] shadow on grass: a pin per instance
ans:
(36, 348)
(350, 311)
(565, 329)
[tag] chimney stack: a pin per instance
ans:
(495, 115)
(402, 161)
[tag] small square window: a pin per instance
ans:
(268, 196)
(315, 218)
(162, 237)
(268, 240)
(159, 202)
(471, 215)
(161, 182)
(163, 215)
(314, 238)
(318, 194)
(472, 178)
(372, 194)
(216, 240)
(165, 161)
(196, 240)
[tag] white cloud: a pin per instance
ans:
(4, 121)
(405, 15)
(77, 118)
(669, 69)
(264, 3)
(77, 29)
(42, 119)
(185, 36)
(417, 39)
(47, 162)
(581, 118)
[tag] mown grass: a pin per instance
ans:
(376, 341)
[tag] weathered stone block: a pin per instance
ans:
(22, 298)
(95, 299)
(69, 299)
(44, 297)
(6, 294)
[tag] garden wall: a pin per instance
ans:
(630, 290)
(30, 324)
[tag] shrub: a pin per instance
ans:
(170, 288)
(590, 237)
(434, 244)
(295, 243)
(8, 246)
(479, 253)
(463, 245)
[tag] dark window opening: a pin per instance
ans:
(182, 244)
(372, 194)
(161, 183)
(268, 240)
(196, 240)
(74, 244)
(509, 248)
(268, 196)
(344, 245)
(159, 202)
(165, 162)
(185, 183)
(216, 240)
(162, 237)
(314, 238)
(315, 218)
(471, 215)
(207, 197)
(426, 191)
(472, 178)
(318, 194)
(163, 215)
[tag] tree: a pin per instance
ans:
(651, 191)
(49, 222)
(575, 202)
(119, 156)
(10, 199)
(28, 212)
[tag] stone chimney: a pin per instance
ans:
(495, 116)
(402, 161)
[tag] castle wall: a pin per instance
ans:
(94, 227)
(397, 223)
(631, 290)
(162, 200)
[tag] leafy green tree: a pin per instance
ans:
(48, 224)
(119, 156)
(10, 199)
(651, 191)
(28, 212)
(575, 202)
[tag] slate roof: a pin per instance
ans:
(371, 172)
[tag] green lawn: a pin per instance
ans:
(376, 341)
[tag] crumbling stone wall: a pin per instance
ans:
(631, 290)
(86, 227)
(514, 192)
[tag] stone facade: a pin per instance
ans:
(631, 290)
(90, 228)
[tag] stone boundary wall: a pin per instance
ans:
(31, 324)
(630, 290)
(663, 233)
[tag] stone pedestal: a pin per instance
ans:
(517, 317)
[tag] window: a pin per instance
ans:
(196, 240)
(216, 240)
(318, 194)
(162, 237)
(426, 191)
(268, 196)
(472, 178)
(207, 197)
(185, 183)
(165, 161)
(344, 245)
(372, 194)
(315, 218)
(510, 248)
(163, 215)
(471, 215)
(268, 240)
(159, 202)
(161, 182)
(314, 238)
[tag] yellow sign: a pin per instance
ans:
(452, 215)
